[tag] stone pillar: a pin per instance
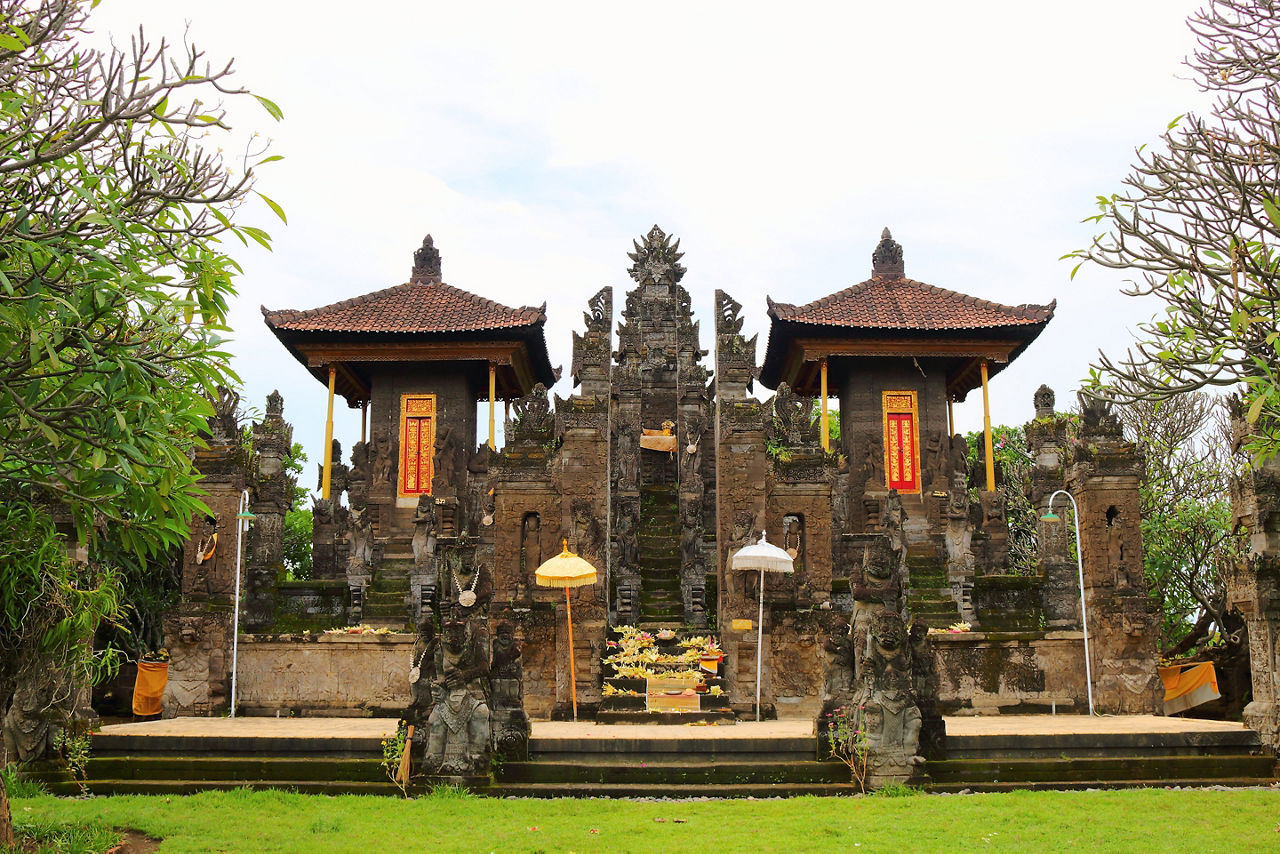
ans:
(198, 630)
(273, 495)
(1047, 442)
(1123, 620)
(1253, 587)
(741, 470)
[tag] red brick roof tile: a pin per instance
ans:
(905, 304)
(420, 306)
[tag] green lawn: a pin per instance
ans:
(1147, 820)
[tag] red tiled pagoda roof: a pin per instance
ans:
(885, 303)
(417, 307)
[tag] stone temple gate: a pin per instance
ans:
(659, 467)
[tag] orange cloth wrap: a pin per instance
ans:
(148, 688)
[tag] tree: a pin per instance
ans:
(1188, 536)
(113, 295)
(1198, 225)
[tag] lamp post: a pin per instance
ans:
(1050, 516)
(242, 524)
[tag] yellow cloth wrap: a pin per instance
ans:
(658, 440)
(1187, 685)
(148, 688)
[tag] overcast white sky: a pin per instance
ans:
(536, 140)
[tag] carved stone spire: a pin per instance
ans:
(886, 261)
(656, 262)
(426, 261)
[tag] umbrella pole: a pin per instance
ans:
(759, 643)
(573, 678)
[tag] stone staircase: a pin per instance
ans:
(672, 766)
(385, 599)
(997, 763)
(147, 765)
(658, 538)
(929, 594)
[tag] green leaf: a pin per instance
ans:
(1255, 408)
(1273, 212)
(10, 43)
(271, 107)
(275, 207)
(271, 159)
(1173, 124)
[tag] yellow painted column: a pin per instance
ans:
(826, 432)
(364, 417)
(986, 430)
(328, 436)
(493, 381)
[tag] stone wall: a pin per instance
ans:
(993, 673)
(324, 674)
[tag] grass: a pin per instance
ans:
(1147, 820)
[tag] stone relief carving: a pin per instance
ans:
(508, 721)
(656, 261)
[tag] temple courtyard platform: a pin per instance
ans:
(776, 758)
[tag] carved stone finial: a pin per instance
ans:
(426, 261)
(656, 261)
(886, 260)
(1043, 400)
(275, 403)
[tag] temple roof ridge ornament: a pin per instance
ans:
(886, 260)
(426, 262)
(656, 260)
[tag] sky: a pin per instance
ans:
(536, 141)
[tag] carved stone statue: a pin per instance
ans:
(838, 684)
(422, 673)
(887, 703)
(924, 678)
(359, 542)
(530, 550)
(873, 465)
(508, 721)
(383, 457)
(424, 533)
(458, 727)
(465, 588)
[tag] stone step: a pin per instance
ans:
(1103, 745)
(191, 787)
(1079, 785)
(1087, 769)
(358, 769)
(664, 790)
(692, 770)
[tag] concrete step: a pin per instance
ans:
(1067, 785)
(1103, 745)
(190, 787)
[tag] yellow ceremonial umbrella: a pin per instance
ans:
(567, 570)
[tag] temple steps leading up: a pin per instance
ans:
(658, 542)
(776, 759)
(997, 762)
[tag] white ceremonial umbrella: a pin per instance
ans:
(567, 570)
(766, 558)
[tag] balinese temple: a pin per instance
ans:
(663, 462)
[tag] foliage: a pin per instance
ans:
(275, 821)
(1197, 225)
(833, 421)
(47, 836)
(847, 741)
(1013, 474)
(393, 749)
(1188, 535)
(113, 281)
(297, 520)
(17, 786)
(73, 748)
(113, 300)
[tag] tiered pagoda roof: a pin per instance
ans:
(421, 320)
(891, 315)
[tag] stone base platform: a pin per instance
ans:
(767, 758)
